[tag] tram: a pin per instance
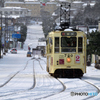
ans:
(66, 53)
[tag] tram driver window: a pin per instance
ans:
(80, 44)
(68, 44)
(56, 44)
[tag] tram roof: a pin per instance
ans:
(55, 33)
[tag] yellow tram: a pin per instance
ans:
(66, 53)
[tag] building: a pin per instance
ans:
(35, 7)
(89, 1)
(14, 0)
(15, 12)
(77, 5)
(99, 26)
(10, 16)
(2, 3)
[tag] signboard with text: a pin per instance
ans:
(14, 35)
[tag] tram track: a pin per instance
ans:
(80, 94)
(20, 91)
(12, 76)
(34, 79)
(98, 89)
(52, 94)
(49, 78)
(64, 88)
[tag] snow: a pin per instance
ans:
(13, 7)
(91, 4)
(93, 29)
(78, 2)
(68, 30)
(30, 2)
(22, 87)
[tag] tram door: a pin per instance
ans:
(79, 56)
(82, 49)
(80, 44)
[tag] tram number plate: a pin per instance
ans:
(68, 66)
(77, 58)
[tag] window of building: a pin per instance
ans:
(5, 13)
(10, 12)
(16, 12)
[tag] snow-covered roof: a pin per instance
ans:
(18, 8)
(91, 4)
(62, 0)
(93, 29)
(78, 2)
(30, 2)
(11, 16)
(14, 2)
(41, 43)
(13, 7)
(14, 16)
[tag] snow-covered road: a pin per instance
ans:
(24, 78)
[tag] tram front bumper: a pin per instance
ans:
(54, 68)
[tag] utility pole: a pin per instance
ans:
(5, 38)
(1, 35)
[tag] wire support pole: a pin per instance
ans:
(65, 15)
(1, 36)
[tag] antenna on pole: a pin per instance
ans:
(64, 15)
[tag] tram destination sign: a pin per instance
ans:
(68, 33)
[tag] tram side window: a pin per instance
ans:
(50, 45)
(80, 44)
(50, 41)
(56, 44)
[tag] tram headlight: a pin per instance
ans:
(68, 60)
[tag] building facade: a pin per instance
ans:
(35, 7)
(11, 16)
(1, 3)
(14, 0)
(14, 12)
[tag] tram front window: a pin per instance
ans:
(68, 44)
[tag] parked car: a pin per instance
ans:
(13, 50)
